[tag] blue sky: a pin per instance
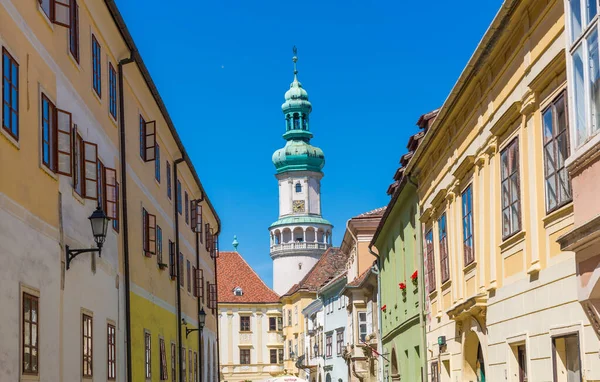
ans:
(371, 68)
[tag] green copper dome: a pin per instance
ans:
(298, 154)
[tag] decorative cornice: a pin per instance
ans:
(512, 113)
(464, 166)
(528, 102)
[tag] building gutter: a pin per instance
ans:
(178, 264)
(125, 221)
(379, 318)
(198, 295)
(217, 310)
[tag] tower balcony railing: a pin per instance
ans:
(298, 245)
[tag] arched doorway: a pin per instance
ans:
(395, 371)
(474, 362)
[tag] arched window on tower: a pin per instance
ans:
(304, 122)
(296, 121)
(288, 122)
(298, 187)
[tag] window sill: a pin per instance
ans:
(77, 197)
(470, 267)
(583, 154)
(10, 138)
(45, 17)
(73, 59)
(113, 119)
(433, 294)
(97, 96)
(513, 240)
(29, 377)
(446, 284)
(558, 214)
(245, 331)
(50, 173)
(163, 266)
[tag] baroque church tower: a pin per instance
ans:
(300, 236)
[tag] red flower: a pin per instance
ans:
(414, 275)
(402, 286)
(384, 308)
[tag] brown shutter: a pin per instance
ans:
(150, 141)
(64, 145)
(207, 233)
(111, 193)
(150, 235)
(212, 291)
(200, 284)
(62, 13)
(172, 260)
(199, 217)
(193, 216)
(90, 163)
(215, 247)
(194, 281)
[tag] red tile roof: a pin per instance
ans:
(372, 214)
(330, 265)
(233, 271)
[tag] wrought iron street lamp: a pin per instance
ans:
(99, 222)
(201, 323)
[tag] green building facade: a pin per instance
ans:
(398, 242)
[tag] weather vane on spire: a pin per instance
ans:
(295, 59)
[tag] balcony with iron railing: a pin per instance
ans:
(299, 246)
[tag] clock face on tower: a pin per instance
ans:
(298, 206)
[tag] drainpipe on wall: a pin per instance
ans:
(125, 225)
(179, 336)
(421, 294)
(379, 318)
(198, 295)
(217, 312)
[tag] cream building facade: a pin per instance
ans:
(502, 294)
(250, 323)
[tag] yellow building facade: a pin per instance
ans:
(502, 294)
(83, 126)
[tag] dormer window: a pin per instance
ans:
(298, 187)
(237, 291)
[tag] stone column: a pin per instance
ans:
(494, 214)
(259, 333)
(230, 337)
(479, 235)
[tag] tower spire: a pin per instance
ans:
(295, 60)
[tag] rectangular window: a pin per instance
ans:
(296, 315)
(58, 11)
(279, 323)
(173, 362)
(200, 284)
(149, 233)
(142, 138)
(273, 356)
(340, 342)
(147, 139)
(289, 317)
(159, 245)
(115, 221)
(566, 359)
(30, 335)
(187, 208)
(189, 276)
(172, 260)
(164, 375)
(157, 163)
(181, 265)
(511, 189)
(435, 373)
(111, 342)
(522, 360)
(111, 192)
(362, 326)
(212, 296)
(196, 217)
(87, 344)
(183, 362)
(195, 281)
(78, 174)
(195, 367)
(290, 349)
(101, 184)
(280, 355)
(10, 94)
(467, 220)
(96, 66)
(74, 30)
(179, 197)
(244, 323)
(48, 133)
(168, 180)
(444, 261)
(273, 323)
(112, 91)
(191, 365)
(148, 354)
(556, 151)
(430, 261)
(245, 356)
(329, 345)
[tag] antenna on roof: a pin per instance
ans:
(295, 59)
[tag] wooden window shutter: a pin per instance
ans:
(199, 217)
(62, 13)
(64, 145)
(150, 234)
(90, 163)
(215, 247)
(193, 215)
(207, 233)
(212, 291)
(111, 197)
(172, 260)
(150, 141)
(194, 282)
(200, 284)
